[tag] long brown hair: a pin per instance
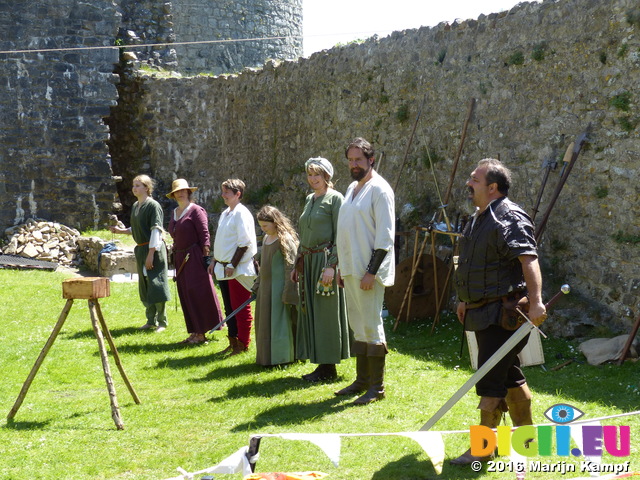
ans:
(285, 231)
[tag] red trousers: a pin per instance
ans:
(234, 295)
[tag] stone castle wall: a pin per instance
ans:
(219, 20)
(55, 110)
(267, 28)
(540, 74)
(54, 161)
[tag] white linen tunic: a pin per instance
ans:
(236, 228)
(367, 223)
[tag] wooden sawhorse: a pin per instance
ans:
(90, 288)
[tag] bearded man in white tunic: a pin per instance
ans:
(366, 232)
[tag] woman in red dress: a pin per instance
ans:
(189, 228)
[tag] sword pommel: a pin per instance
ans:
(564, 290)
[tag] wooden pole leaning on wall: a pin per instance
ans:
(627, 345)
(90, 288)
(463, 137)
(406, 152)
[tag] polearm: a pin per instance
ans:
(549, 164)
(463, 137)
(233, 314)
(406, 152)
(521, 333)
(577, 147)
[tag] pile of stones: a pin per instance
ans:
(41, 240)
(106, 261)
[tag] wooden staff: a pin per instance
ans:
(548, 165)
(440, 298)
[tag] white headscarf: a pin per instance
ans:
(323, 163)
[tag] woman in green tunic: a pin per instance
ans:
(276, 294)
(323, 331)
(150, 252)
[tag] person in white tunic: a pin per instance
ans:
(233, 250)
(366, 232)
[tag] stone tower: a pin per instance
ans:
(240, 33)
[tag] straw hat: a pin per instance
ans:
(180, 184)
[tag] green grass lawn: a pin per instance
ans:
(198, 407)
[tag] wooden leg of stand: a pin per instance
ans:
(441, 297)
(116, 355)
(115, 409)
(43, 354)
(434, 259)
(413, 261)
(409, 291)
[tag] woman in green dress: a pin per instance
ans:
(323, 331)
(276, 294)
(150, 252)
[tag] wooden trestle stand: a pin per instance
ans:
(90, 288)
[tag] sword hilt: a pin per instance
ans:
(564, 290)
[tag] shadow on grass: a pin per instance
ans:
(204, 348)
(13, 425)
(115, 332)
(408, 467)
(295, 414)
(273, 386)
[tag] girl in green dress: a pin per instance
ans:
(276, 294)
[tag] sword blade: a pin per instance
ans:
(233, 314)
(519, 334)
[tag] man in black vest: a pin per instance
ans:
(498, 262)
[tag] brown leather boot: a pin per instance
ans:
(376, 355)
(238, 348)
(491, 409)
(519, 403)
(361, 384)
(362, 378)
(232, 343)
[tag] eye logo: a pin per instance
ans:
(562, 413)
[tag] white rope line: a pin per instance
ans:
(171, 44)
(590, 420)
(145, 45)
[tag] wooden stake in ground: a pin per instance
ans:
(90, 288)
